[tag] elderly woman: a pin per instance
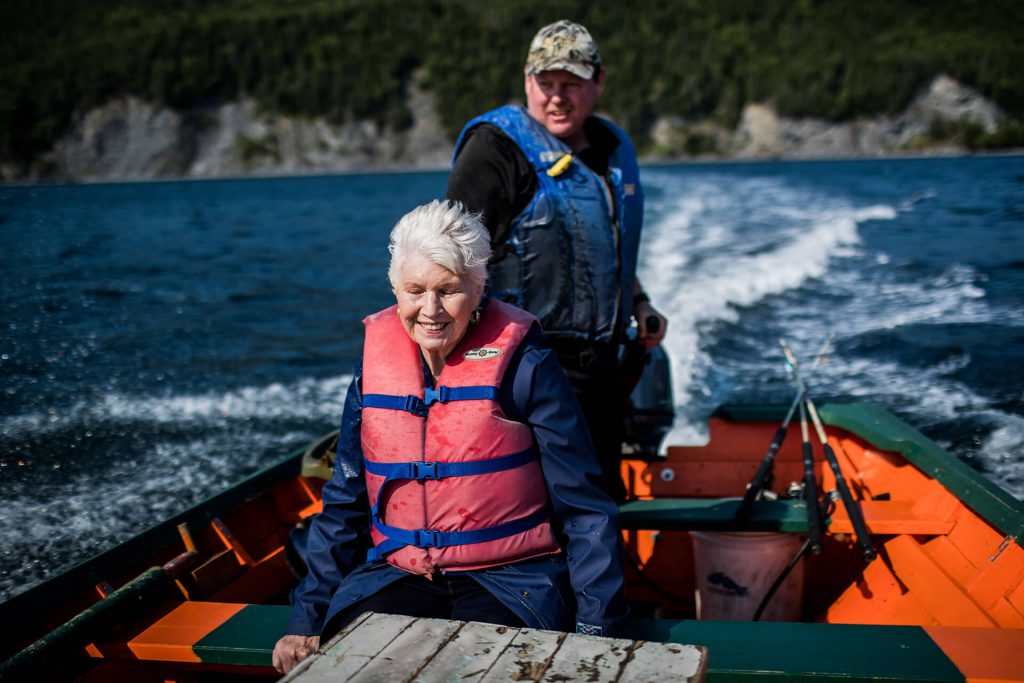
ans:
(463, 440)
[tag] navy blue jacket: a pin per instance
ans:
(581, 586)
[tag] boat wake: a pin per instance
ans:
(307, 399)
(81, 480)
(705, 259)
(737, 261)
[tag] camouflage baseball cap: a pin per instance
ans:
(563, 45)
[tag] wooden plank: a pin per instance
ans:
(470, 654)
(171, 638)
(409, 652)
(712, 514)
(397, 648)
(247, 638)
(526, 657)
(665, 662)
(793, 651)
(588, 658)
(879, 427)
(890, 518)
(947, 601)
(220, 570)
(982, 654)
(344, 657)
(1000, 574)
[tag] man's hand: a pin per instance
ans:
(291, 650)
(649, 333)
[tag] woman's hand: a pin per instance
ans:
(291, 650)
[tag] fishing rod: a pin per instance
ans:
(813, 541)
(810, 487)
(852, 509)
(764, 470)
(757, 484)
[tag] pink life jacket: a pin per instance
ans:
(452, 483)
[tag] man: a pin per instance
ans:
(560, 194)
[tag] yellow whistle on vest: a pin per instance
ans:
(559, 166)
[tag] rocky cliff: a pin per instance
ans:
(129, 139)
(761, 133)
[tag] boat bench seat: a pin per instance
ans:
(718, 514)
(224, 633)
(780, 650)
(207, 633)
(712, 514)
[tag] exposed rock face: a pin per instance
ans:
(949, 100)
(762, 133)
(129, 139)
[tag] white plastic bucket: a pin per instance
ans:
(735, 570)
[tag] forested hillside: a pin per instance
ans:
(346, 59)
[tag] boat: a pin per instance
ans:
(204, 595)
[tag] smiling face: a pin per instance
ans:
(561, 102)
(435, 306)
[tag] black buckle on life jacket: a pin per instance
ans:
(424, 470)
(414, 404)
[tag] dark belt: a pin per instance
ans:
(581, 354)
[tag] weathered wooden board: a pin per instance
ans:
(470, 655)
(381, 647)
(526, 657)
(664, 662)
(589, 658)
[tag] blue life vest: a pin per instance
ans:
(571, 254)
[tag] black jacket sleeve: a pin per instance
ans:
(492, 176)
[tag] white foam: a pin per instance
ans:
(92, 509)
(1001, 452)
(312, 398)
(702, 260)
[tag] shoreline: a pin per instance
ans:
(644, 162)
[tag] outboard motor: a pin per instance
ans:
(647, 379)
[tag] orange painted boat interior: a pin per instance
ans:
(939, 564)
(241, 562)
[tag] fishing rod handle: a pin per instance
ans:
(852, 508)
(811, 498)
(757, 483)
(816, 420)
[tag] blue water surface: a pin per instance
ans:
(161, 341)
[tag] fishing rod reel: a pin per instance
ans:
(795, 491)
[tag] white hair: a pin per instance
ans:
(447, 235)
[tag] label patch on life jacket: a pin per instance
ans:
(482, 353)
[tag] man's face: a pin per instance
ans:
(562, 101)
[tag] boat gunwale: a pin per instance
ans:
(885, 431)
(90, 572)
(872, 423)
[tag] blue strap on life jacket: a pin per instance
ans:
(421, 470)
(420, 406)
(430, 538)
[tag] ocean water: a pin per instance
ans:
(161, 341)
